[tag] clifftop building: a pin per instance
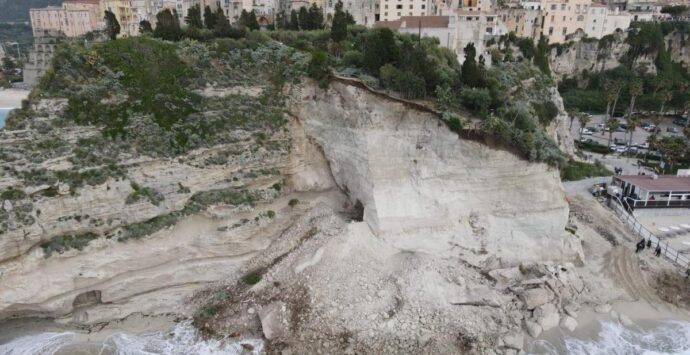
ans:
(74, 18)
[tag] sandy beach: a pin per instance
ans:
(12, 98)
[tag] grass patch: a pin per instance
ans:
(575, 170)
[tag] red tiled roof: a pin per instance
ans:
(393, 25)
(661, 183)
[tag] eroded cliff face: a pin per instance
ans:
(596, 56)
(424, 188)
(436, 206)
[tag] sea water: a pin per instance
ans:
(669, 337)
(3, 114)
(182, 339)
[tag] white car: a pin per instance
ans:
(586, 131)
(644, 145)
(649, 128)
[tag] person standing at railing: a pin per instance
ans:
(657, 252)
(640, 246)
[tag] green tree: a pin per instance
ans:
(210, 17)
(633, 123)
(635, 90)
(584, 119)
(611, 123)
(612, 90)
(541, 57)
(248, 20)
(319, 69)
(294, 21)
(222, 26)
(281, 21)
(664, 95)
(315, 17)
(112, 27)
(339, 24)
(304, 20)
(470, 73)
(193, 18)
(672, 149)
(145, 27)
(167, 26)
(380, 48)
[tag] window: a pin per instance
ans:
(399, 6)
(423, 6)
(553, 7)
(385, 7)
(385, 14)
(410, 7)
(410, 13)
(563, 18)
(550, 31)
(489, 19)
(564, 30)
(580, 18)
(552, 18)
(398, 14)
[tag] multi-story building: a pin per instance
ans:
(562, 17)
(73, 18)
(395, 9)
(454, 31)
(364, 12)
(124, 13)
(41, 54)
(524, 22)
(602, 21)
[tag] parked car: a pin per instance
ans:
(672, 130)
(593, 129)
(586, 131)
(649, 128)
(644, 145)
(679, 122)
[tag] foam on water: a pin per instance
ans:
(183, 339)
(43, 343)
(671, 337)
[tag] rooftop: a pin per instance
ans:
(416, 21)
(661, 183)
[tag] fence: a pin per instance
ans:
(669, 253)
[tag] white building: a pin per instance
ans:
(364, 12)
(392, 10)
(602, 21)
(454, 32)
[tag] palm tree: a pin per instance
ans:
(633, 123)
(653, 139)
(584, 120)
(613, 90)
(611, 123)
(635, 90)
(664, 95)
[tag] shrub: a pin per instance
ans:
(62, 243)
(252, 278)
(293, 202)
(12, 194)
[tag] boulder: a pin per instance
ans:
(535, 297)
(514, 341)
(625, 320)
(547, 316)
(274, 320)
(603, 308)
(569, 323)
(532, 328)
(7, 205)
(571, 309)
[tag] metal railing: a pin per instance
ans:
(669, 253)
(657, 203)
